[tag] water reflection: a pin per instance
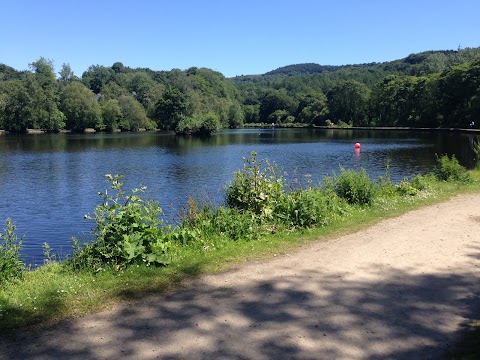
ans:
(48, 182)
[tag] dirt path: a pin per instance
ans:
(402, 289)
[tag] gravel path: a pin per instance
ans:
(402, 289)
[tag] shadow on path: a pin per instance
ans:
(306, 316)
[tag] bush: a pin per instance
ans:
(236, 225)
(127, 231)
(11, 267)
(308, 208)
(422, 182)
(256, 188)
(354, 186)
(406, 188)
(449, 169)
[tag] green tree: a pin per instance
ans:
(171, 108)
(313, 108)
(204, 124)
(96, 77)
(80, 107)
(235, 116)
(349, 101)
(66, 73)
(44, 92)
(133, 114)
(252, 113)
(17, 106)
(276, 100)
(111, 114)
(460, 89)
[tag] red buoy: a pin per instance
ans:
(357, 145)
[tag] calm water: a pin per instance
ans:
(48, 182)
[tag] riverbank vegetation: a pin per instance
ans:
(433, 89)
(134, 253)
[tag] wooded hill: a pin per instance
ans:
(428, 89)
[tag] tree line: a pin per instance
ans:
(196, 100)
(429, 89)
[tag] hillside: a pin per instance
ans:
(427, 89)
(423, 63)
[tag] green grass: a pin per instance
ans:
(55, 292)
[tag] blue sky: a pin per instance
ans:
(230, 36)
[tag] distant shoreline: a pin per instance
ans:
(279, 126)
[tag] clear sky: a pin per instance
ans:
(234, 37)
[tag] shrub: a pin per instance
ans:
(354, 186)
(236, 225)
(385, 185)
(422, 182)
(405, 187)
(308, 208)
(11, 266)
(127, 231)
(255, 188)
(449, 169)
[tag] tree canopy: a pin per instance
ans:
(428, 89)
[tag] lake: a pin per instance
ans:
(49, 182)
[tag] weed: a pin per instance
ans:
(127, 231)
(449, 169)
(11, 266)
(354, 186)
(255, 188)
(308, 208)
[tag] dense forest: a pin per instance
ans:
(429, 89)
(117, 98)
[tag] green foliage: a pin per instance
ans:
(11, 266)
(80, 107)
(306, 208)
(422, 182)
(313, 108)
(236, 225)
(96, 77)
(202, 125)
(476, 151)
(348, 101)
(111, 114)
(406, 188)
(256, 188)
(273, 101)
(127, 231)
(449, 169)
(133, 114)
(171, 108)
(354, 186)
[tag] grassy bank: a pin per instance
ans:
(261, 219)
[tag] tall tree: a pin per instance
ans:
(80, 107)
(171, 108)
(111, 114)
(276, 100)
(348, 101)
(133, 114)
(97, 76)
(313, 108)
(65, 73)
(43, 87)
